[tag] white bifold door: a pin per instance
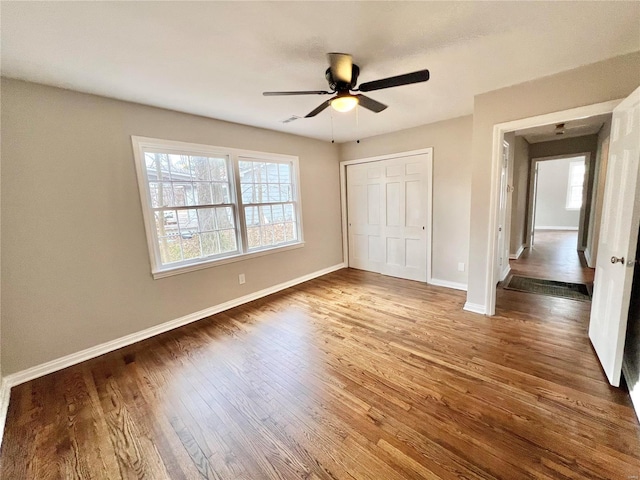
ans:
(388, 215)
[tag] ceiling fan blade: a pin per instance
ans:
(341, 66)
(370, 104)
(318, 109)
(406, 79)
(301, 92)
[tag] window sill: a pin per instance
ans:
(168, 272)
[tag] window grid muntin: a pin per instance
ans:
(144, 145)
(575, 187)
(183, 233)
(288, 181)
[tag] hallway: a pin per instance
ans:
(554, 256)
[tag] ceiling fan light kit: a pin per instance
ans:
(342, 76)
(344, 103)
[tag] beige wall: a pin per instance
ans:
(607, 80)
(551, 195)
(451, 142)
(75, 266)
(519, 195)
(597, 197)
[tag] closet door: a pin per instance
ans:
(387, 203)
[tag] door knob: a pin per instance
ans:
(616, 260)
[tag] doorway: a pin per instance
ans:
(555, 217)
(499, 133)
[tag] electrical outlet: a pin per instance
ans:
(241, 279)
(461, 267)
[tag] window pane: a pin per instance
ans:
(290, 232)
(191, 245)
(221, 193)
(188, 220)
(284, 170)
(285, 193)
(228, 241)
(183, 195)
(157, 166)
(253, 236)
(251, 216)
(224, 217)
(199, 168)
(272, 172)
(206, 219)
(170, 249)
(289, 215)
(278, 213)
(274, 193)
(202, 193)
(179, 165)
(218, 169)
(248, 192)
(210, 243)
(265, 215)
(278, 233)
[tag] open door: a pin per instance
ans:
(618, 239)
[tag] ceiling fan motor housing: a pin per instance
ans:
(342, 86)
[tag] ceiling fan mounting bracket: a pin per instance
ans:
(338, 86)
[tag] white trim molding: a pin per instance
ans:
(494, 195)
(516, 256)
(505, 272)
(552, 227)
(448, 284)
(92, 352)
(632, 377)
(475, 308)
(588, 259)
(5, 393)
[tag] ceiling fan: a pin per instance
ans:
(342, 76)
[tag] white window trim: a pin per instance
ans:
(572, 165)
(185, 148)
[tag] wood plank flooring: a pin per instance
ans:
(554, 256)
(350, 376)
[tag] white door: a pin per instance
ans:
(618, 239)
(503, 259)
(387, 210)
(532, 227)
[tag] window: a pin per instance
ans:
(193, 216)
(574, 189)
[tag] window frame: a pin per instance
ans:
(572, 165)
(141, 145)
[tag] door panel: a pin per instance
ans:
(396, 216)
(618, 239)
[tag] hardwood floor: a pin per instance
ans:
(554, 256)
(350, 376)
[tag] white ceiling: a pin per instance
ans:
(216, 58)
(572, 128)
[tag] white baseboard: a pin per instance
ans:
(446, 283)
(632, 377)
(475, 308)
(92, 352)
(587, 257)
(516, 256)
(505, 272)
(556, 228)
(5, 393)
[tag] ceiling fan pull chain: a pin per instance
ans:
(332, 139)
